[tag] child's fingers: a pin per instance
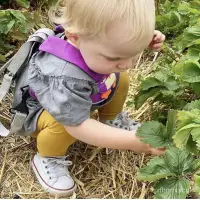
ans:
(163, 38)
(157, 42)
(156, 32)
(159, 37)
(157, 46)
(158, 152)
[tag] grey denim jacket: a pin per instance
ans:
(61, 88)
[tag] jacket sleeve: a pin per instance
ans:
(67, 99)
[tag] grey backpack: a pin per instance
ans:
(14, 68)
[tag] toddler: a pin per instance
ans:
(82, 70)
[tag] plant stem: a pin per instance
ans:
(157, 7)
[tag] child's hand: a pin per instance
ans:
(157, 42)
(141, 147)
(157, 152)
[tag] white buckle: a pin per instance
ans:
(5, 86)
(3, 131)
(17, 122)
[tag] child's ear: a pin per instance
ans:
(72, 37)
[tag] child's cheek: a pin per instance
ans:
(110, 64)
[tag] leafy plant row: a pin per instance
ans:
(177, 70)
(174, 84)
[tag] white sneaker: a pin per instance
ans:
(53, 174)
(124, 122)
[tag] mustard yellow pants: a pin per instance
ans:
(53, 139)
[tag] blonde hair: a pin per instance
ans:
(91, 18)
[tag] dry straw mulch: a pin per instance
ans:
(99, 173)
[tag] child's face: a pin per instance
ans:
(110, 54)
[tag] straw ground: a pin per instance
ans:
(99, 173)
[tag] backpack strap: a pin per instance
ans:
(21, 58)
(64, 50)
(17, 63)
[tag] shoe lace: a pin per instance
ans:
(57, 166)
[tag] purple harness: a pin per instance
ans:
(64, 50)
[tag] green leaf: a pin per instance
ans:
(188, 125)
(171, 19)
(130, 103)
(4, 47)
(189, 70)
(168, 93)
(184, 118)
(187, 117)
(196, 88)
(192, 105)
(19, 36)
(142, 96)
(195, 4)
(2, 58)
(196, 187)
(161, 76)
(181, 138)
(175, 17)
(179, 161)
(172, 84)
(23, 3)
(191, 146)
(194, 52)
(153, 133)
(195, 79)
(23, 30)
(156, 169)
(171, 123)
(196, 164)
(184, 8)
(172, 188)
(17, 14)
(192, 33)
(150, 82)
(10, 25)
(5, 19)
(195, 132)
(195, 42)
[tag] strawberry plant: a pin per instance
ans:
(156, 133)
(176, 71)
(174, 83)
(187, 135)
(171, 174)
(162, 86)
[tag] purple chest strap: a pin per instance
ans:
(66, 51)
